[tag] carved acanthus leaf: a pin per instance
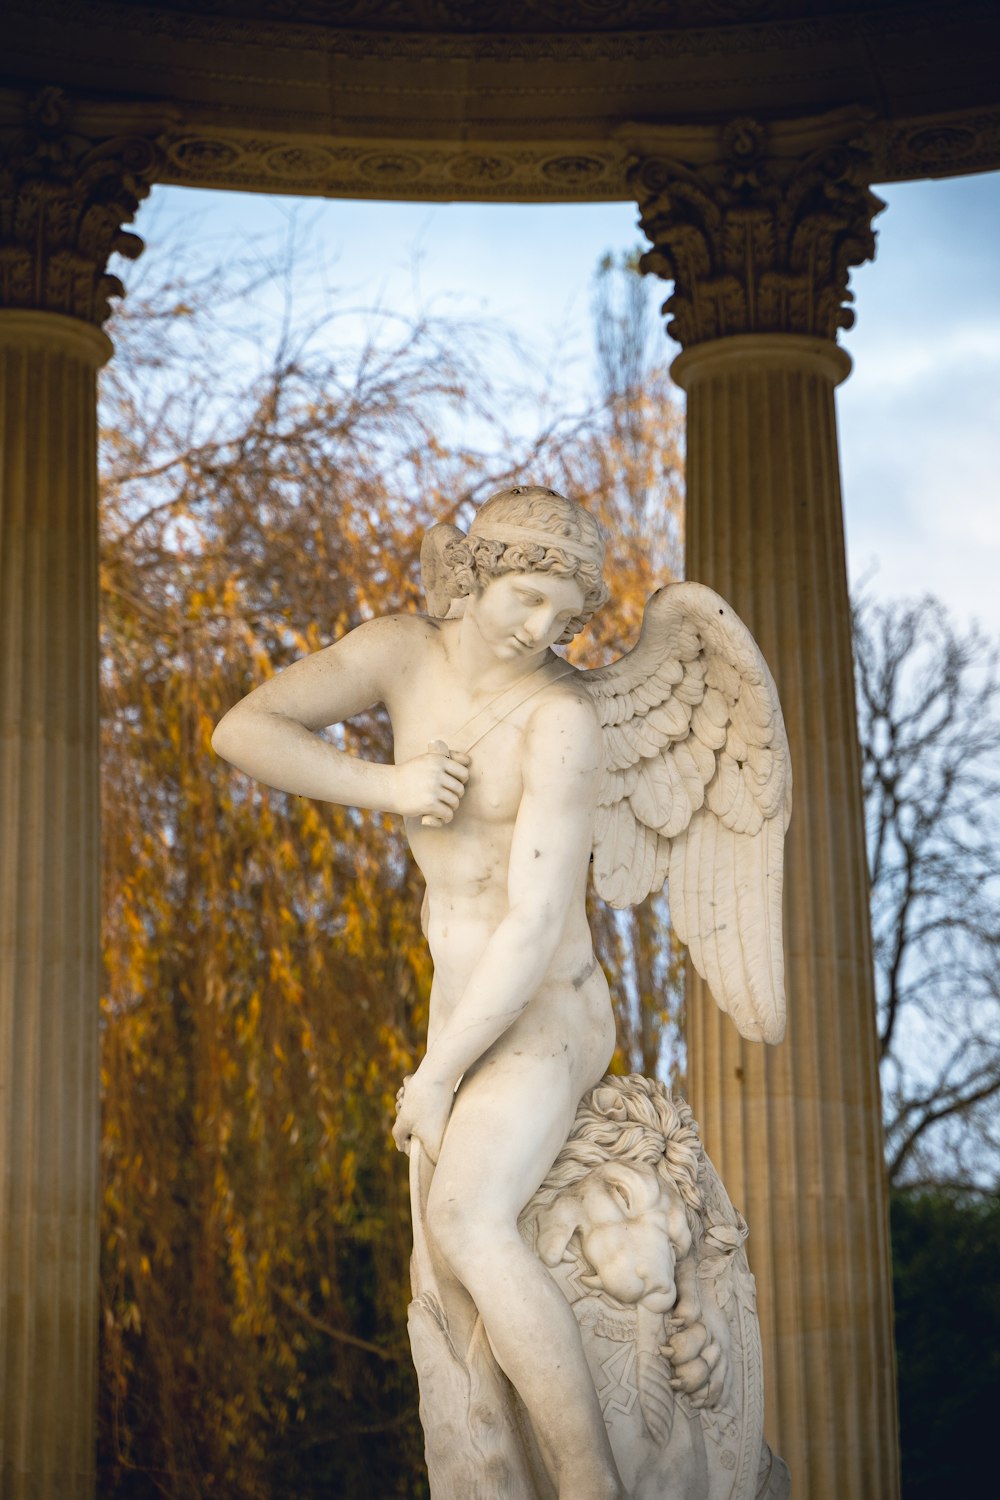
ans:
(64, 198)
(756, 241)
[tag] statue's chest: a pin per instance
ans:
(494, 789)
(496, 775)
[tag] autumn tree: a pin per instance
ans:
(266, 979)
(265, 490)
(928, 699)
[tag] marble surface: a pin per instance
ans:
(515, 773)
(648, 1251)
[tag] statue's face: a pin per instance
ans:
(632, 1228)
(522, 614)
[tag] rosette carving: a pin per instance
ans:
(64, 198)
(756, 240)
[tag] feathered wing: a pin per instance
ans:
(697, 791)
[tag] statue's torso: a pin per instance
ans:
(466, 863)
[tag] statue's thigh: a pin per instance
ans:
(511, 1117)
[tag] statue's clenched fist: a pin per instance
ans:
(430, 786)
(423, 1105)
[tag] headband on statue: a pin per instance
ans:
(497, 531)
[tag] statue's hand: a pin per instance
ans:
(700, 1364)
(431, 786)
(422, 1110)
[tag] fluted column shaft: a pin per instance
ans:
(757, 225)
(49, 893)
(795, 1130)
(66, 190)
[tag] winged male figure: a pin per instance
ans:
(511, 769)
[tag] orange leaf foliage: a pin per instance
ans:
(266, 979)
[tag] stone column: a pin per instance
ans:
(63, 199)
(758, 229)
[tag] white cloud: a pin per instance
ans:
(920, 415)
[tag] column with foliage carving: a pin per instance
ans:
(758, 228)
(63, 199)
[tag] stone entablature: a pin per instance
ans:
(491, 171)
(507, 101)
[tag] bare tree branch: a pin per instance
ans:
(928, 700)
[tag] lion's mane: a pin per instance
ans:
(634, 1120)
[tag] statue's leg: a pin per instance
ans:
(511, 1118)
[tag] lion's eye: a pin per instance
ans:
(617, 1191)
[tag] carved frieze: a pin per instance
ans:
(64, 198)
(940, 147)
(758, 234)
(414, 169)
(495, 170)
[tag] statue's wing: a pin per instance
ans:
(697, 790)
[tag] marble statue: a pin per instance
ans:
(516, 774)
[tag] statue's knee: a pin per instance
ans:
(452, 1228)
(444, 1223)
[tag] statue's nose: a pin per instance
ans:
(538, 625)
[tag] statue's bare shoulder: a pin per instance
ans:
(364, 667)
(380, 639)
(563, 733)
(560, 770)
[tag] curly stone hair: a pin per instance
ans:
(473, 561)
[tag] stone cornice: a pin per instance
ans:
(757, 226)
(64, 197)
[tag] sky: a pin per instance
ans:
(919, 417)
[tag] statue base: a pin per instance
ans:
(639, 1234)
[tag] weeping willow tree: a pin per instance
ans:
(266, 980)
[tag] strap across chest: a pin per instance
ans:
(504, 704)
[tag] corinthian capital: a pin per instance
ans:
(757, 225)
(64, 197)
